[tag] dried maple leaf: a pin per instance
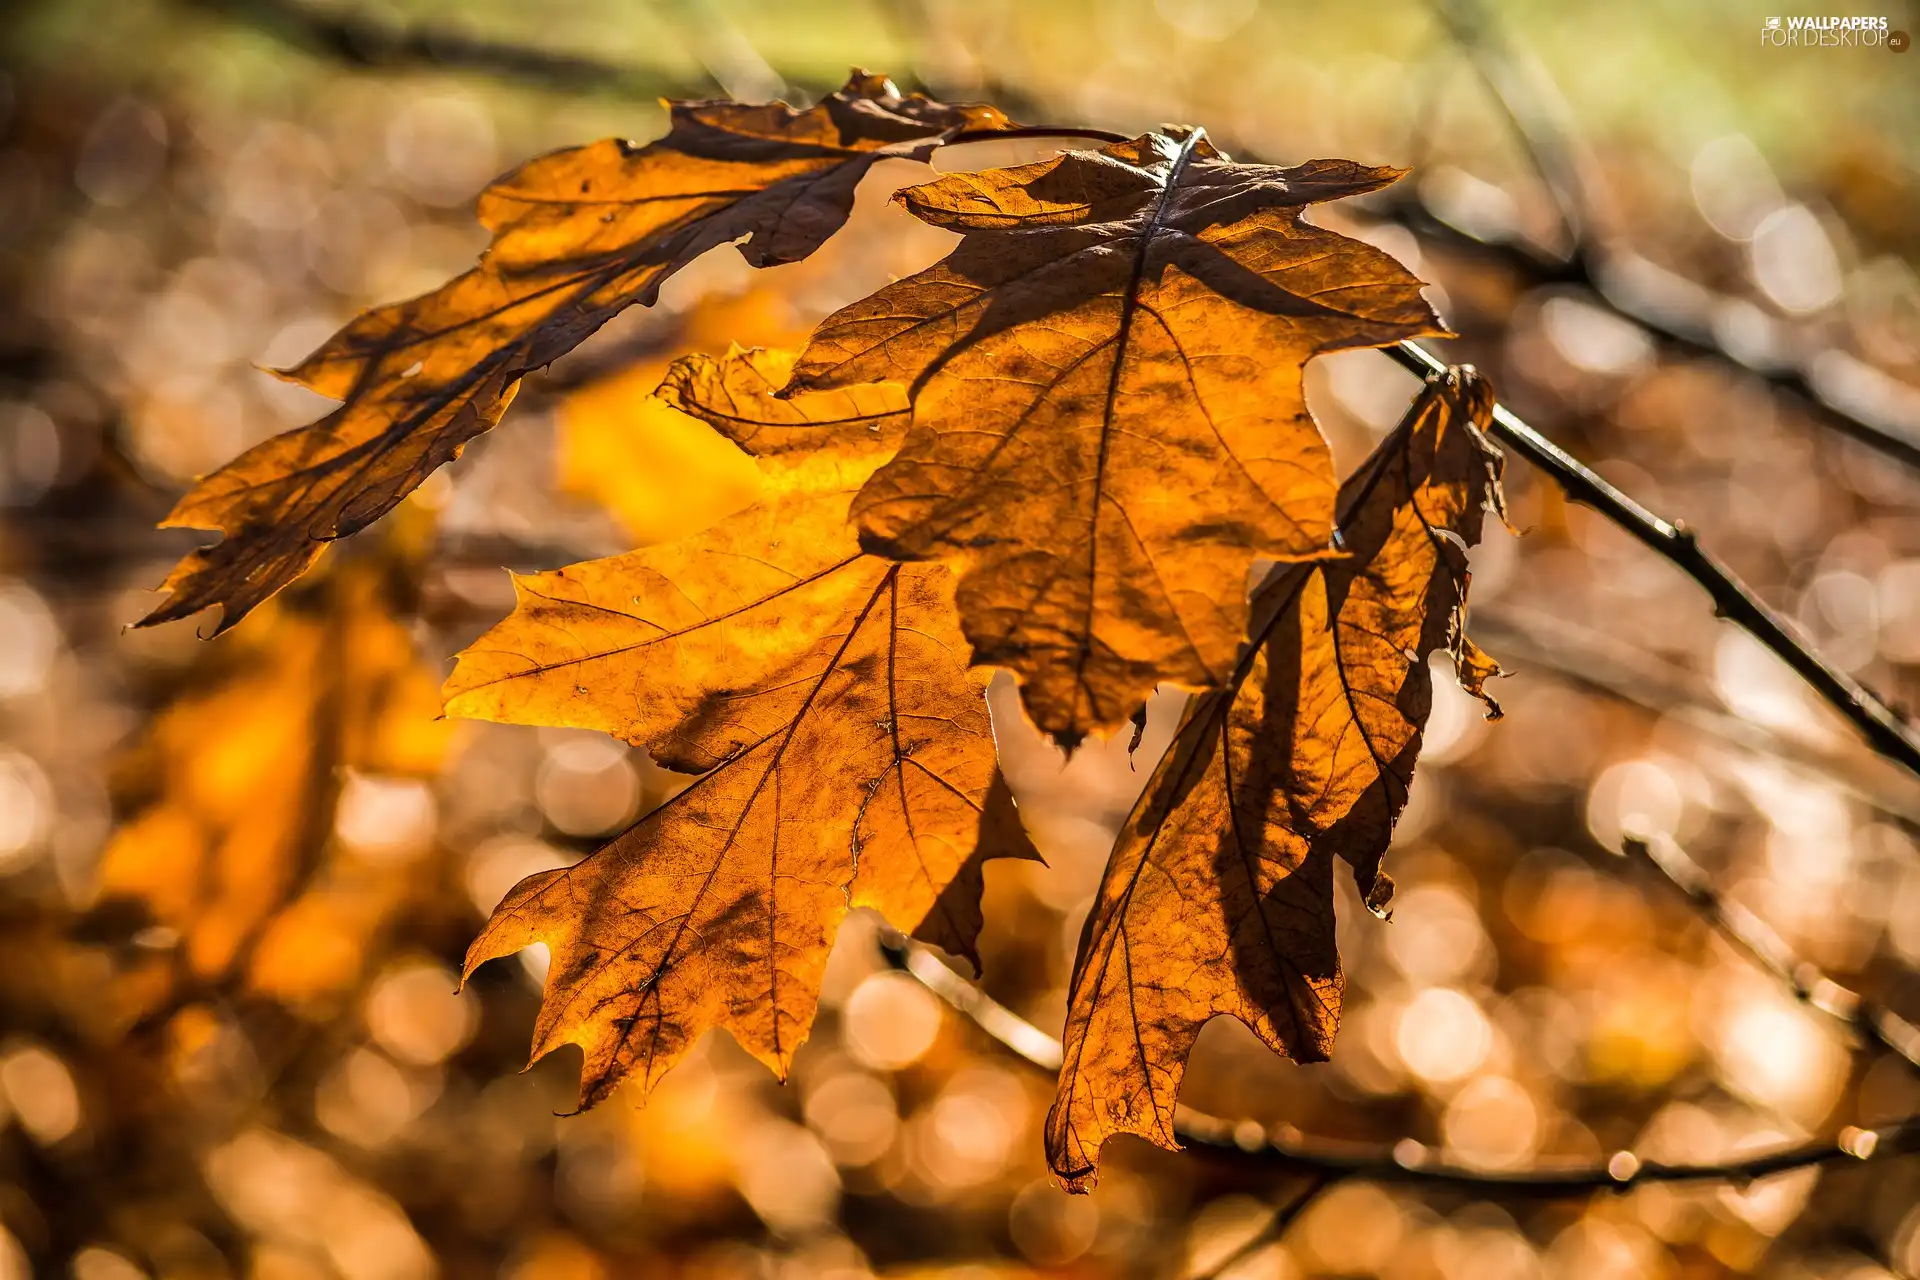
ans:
(1218, 898)
(578, 236)
(848, 755)
(1109, 425)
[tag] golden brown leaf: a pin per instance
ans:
(578, 236)
(848, 755)
(233, 849)
(1218, 898)
(1109, 424)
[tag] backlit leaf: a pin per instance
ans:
(1109, 424)
(847, 753)
(1218, 898)
(656, 646)
(578, 236)
(661, 473)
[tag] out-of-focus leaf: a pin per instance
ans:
(1109, 424)
(234, 849)
(1218, 898)
(662, 473)
(578, 236)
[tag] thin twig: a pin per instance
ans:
(1884, 729)
(1274, 1229)
(1406, 1161)
(1871, 1022)
(994, 1018)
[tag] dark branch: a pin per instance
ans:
(1406, 1161)
(1884, 729)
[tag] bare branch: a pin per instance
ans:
(994, 1018)
(1882, 727)
(1406, 1161)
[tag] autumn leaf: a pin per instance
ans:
(847, 755)
(1218, 898)
(231, 843)
(664, 474)
(853, 430)
(578, 236)
(1109, 425)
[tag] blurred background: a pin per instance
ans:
(236, 878)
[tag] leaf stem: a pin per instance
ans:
(1036, 131)
(1884, 729)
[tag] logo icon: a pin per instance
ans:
(1773, 24)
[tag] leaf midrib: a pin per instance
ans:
(1129, 307)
